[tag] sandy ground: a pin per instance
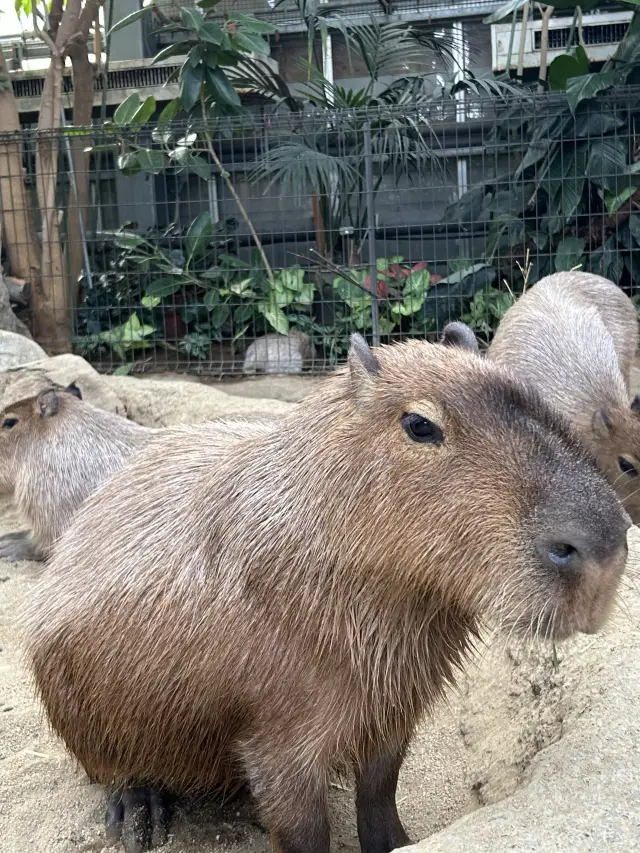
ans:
(48, 806)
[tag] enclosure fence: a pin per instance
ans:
(164, 246)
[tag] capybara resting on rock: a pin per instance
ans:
(299, 601)
(558, 338)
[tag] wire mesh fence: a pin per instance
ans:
(163, 246)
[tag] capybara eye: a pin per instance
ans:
(422, 429)
(626, 467)
(9, 423)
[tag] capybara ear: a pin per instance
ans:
(635, 405)
(73, 389)
(601, 423)
(459, 335)
(364, 367)
(48, 403)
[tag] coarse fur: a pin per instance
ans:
(557, 338)
(301, 599)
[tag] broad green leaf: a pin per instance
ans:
(151, 301)
(252, 42)
(254, 25)
(199, 235)
(417, 285)
(127, 240)
(614, 202)
(129, 164)
(242, 287)
(178, 49)
(123, 370)
(219, 87)
(162, 287)
(569, 254)
(129, 19)
(588, 86)
(190, 84)
(211, 299)
(534, 153)
(144, 111)
(212, 33)
(305, 295)
(128, 108)
(634, 226)
(275, 317)
(567, 66)
(150, 160)
(628, 51)
(170, 111)
(219, 315)
(183, 158)
(192, 19)
(607, 162)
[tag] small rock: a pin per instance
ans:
(16, 349)
(279, 354)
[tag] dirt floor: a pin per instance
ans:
(48, 806)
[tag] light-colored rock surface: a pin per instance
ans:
(31, 378)
(289, 389)
(279, 353)
(8, 320)
(153, 402)
(17, 349)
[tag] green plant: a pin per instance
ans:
(574, 197)
(130, 336)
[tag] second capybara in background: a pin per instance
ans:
(555, 339)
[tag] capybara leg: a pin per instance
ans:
(309, 835)
(19, 546)
(138, 817)
(379, 826)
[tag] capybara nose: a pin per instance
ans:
(571, 553)
(564, 557)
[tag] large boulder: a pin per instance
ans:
(16, 383)
(276, 353)
(558, 735)
(8, 320)
(157, 403)
(17, 349)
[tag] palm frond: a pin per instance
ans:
(304, 169)
(323, 93)
(256, 75)
(385, 48)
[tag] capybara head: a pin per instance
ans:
(26, 421)
(616, 441)
(492, 502)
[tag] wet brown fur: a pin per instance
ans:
(303, 599)
(573, 336)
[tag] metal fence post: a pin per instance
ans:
(371, 232)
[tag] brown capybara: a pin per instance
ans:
(556, 340)
(55, 449)
(300, 601)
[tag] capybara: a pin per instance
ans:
(556, 339)
(271, 611)
(55, 449)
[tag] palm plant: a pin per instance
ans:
(324, 154)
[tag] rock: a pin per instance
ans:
(279, 353)
(29, 379)
(8, 320)
(580, 791)
(19, 291)
(155, 403)
(17, 349)
(290, 389)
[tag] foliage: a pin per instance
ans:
(574, 197)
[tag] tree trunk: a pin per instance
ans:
(18, 228)
(83, 77)
(52, 304)
(52, 321)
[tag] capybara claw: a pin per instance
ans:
(137, 818)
